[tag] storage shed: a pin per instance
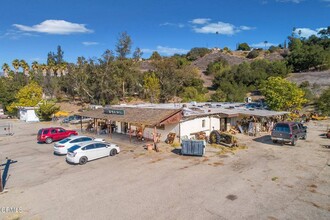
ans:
(28, 114)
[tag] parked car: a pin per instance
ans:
(48, 135)
(70, 118)
(62, 146)
(288, 132)
(91, 150)
(75, 119)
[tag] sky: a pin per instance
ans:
(29, 29)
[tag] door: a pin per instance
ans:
(90, 152)
(124, 127)
(61, 133)
(101, 150)
(223, 124)
(54, 134)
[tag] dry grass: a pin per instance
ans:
(225, 150)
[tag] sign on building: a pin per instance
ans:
(112, 111)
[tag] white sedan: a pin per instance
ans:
(91, 150)
(62, 146)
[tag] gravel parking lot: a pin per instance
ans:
(264, 181)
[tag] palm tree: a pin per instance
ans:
(35, 67)
(6, 69)
(51, 67)
(15, 64)
(25, 67)
(64, 68)
(265, 42)
(44, 69)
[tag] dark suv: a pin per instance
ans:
(288, 132)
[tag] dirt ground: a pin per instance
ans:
(262, 181)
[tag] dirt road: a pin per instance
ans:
(264, 181)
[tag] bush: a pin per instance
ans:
(244, 47)
(46, 110)
(253, 54)
(324, 102)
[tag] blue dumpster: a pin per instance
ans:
(193, 147)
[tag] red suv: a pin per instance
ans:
(49, 135)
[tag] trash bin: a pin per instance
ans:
(193, 147)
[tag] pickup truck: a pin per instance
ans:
(288, 132)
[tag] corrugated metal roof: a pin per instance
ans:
(143, 116)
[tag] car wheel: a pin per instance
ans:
(113, 152)
(304, 137)
(293, 142)
(49, 140)
(274, 141)
(83, 160)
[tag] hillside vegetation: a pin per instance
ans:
(229, 75)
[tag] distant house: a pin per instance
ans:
(28, 114)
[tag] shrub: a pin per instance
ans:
(253, 54)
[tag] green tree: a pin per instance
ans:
(192, 94)
(218, 96)
(152, 87)
(197, 52)
(46, 110)
(155, 56)
(253, 54)
(282, 95)
(137, 55)
(59, 56)
(243, 47)
(123, 46)
(29, 95)
(323, 102)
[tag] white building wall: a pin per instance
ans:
(28, 115)
(171, 128)
(195, 125)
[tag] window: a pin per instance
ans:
(89, 147)
(65, 140)
(61, 130)
(100, 145)
(46, 131)
(76, 140)
(203, 123)
(53, 131)
(282, 128)
(86, 139)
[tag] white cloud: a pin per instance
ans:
(167, 51)
(55, 27)
(200, 20)
(306, 32)
(262, 45)
(293, 1)
(220, 28)
(172, 24)
(90, 43)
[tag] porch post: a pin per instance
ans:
(110, 129)
(130, 133)
(81, 124)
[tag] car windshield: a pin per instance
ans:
(64, 140)
(282, 128)
(73, 148)
(40, 132)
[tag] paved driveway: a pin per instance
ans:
(264, 181)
